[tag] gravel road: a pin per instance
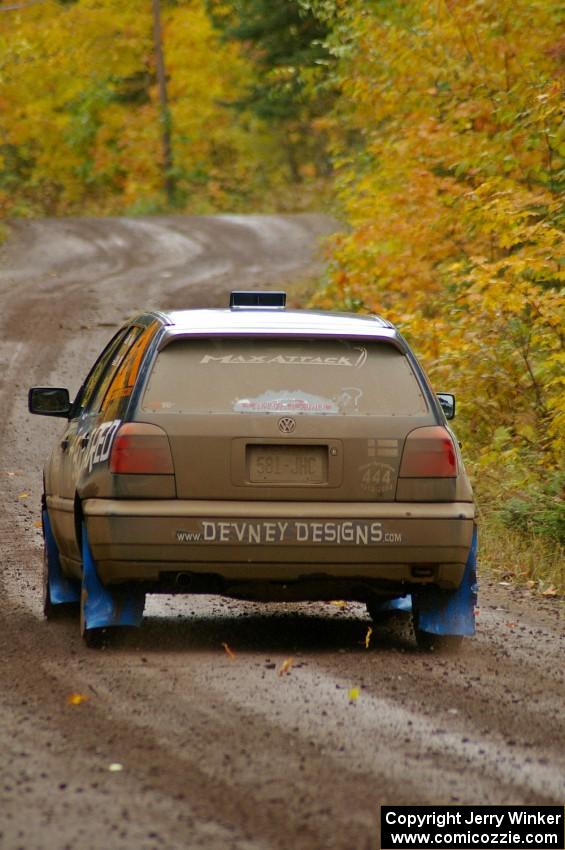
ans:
(178, 744)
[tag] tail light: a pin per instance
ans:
(140, 448)
(429, 453)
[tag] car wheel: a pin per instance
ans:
(377, 614)
(429, 642)
(97, 638)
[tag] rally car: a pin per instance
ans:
(259, 453)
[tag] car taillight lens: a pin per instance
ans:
(429, 453)
(140, 448)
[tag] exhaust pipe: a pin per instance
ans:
(183, 580)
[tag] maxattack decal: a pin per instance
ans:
(289, 359)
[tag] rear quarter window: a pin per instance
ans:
(277, 376)
(123, 381)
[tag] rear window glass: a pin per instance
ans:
(278, 376)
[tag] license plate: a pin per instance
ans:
(287, 464)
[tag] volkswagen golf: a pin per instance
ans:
(260, 453)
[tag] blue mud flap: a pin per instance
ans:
(103, 607)
(401, 603)
(62, 590)
(450, 612)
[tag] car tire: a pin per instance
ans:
(377, 615)
(97, 638)
(48, 607)
(428, 642)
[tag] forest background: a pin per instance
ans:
(433, 129)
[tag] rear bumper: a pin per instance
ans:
(394, 544)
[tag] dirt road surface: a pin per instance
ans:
(179, 745)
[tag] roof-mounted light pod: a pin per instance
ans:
(244, 300)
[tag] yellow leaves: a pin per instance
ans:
(454, 213)
(353, 695)
(229, 652)
(76, 699)
(526, 431)
(285, 667)
(368, 637)
(77, 83)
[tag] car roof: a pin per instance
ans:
(275, 322)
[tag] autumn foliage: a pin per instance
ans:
(454, 192)
(80, 130)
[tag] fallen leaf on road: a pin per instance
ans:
(285, 666)
(551, 591)
(38, 523)
(230, 653)
(353, 694)
(76, 699)
(368, 637)
(339, 603)
(23, 495)
(115, 767)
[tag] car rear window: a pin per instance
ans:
(278, 376)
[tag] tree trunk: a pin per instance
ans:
(164, 111)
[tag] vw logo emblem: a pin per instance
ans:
(287, 425)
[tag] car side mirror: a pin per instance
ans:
(447, 401)
(49, 401)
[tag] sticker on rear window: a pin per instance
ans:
(289, 359)
(285, 401)
(348, 399)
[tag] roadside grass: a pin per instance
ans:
(522, 559)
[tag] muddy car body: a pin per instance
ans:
(260, 453)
